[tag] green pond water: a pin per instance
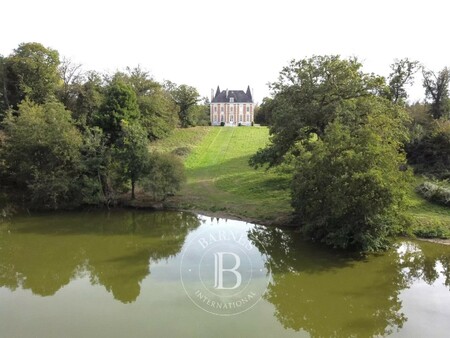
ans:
(130, 274)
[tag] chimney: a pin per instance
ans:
(227, 94)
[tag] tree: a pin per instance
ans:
(308, 96)
(133, 154)
(263, 112)
(436, 90)
(349, 186)
(120, 105)
(4, 103)
(90, 97)
(402, 74)
(41, 154)
(31, 71)
(71, 76)
(199, 113)
(158, 110)
(165, 176)
(185, 98)
(430, 154)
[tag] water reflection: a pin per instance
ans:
(332, 294)
(115, 250)
(314, 290)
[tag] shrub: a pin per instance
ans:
(165, 176)
(434, 193)
(222, 124)
(181, 151)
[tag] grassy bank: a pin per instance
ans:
(430, 220)
(220, 181)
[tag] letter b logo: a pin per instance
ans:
(219, 270)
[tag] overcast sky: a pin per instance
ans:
(230, 43)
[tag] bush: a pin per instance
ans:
(434, 193)
(240, 124)
(165, 176)
(181, 151)
(222, 124)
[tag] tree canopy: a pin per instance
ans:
(31, 71)
(308, 95)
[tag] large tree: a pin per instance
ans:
(71, 78)
(402, 75)
(436, 91)
(133, 154)
(158, 110)
(31, 71)
(120, 105)
(90, 96)
(349, 186)
(308, 95)
(41, 153)
(185, 97)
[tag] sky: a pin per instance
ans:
(230, 43)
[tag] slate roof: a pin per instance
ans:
(238, 95)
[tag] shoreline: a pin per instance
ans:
(284, 221)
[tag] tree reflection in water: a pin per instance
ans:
(45, 252)
(329, 293)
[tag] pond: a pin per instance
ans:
(176, 274)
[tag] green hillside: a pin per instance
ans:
(219, 179)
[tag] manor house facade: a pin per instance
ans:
(232, 107)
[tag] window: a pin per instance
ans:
(231, 99)
(215, 109)
(221, 109)
(248, 109)
(221, 118)
(240, 118)
(231, 109)
(215, 118)
(248, 117)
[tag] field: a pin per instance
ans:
(220, 182)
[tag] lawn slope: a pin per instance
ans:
(219, 179)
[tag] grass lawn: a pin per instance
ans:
(432, 220)
(219, 179)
